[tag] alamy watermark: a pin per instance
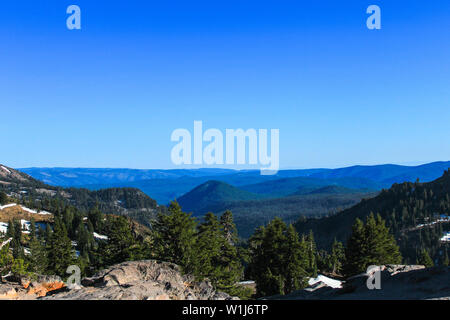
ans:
(374, 20)
(74, 280)
(73, 22)
(374, 278)
(229, 151)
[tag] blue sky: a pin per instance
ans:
(111, 94)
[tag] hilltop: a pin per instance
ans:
(211, 193)
(250, 210)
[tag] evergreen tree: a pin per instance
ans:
(228, 226)
(174, 237)
(208, 248)
(312, 254)
(3, 198)
(216, 256)
(370, 244)
(10, 265)
(279, 260)
(38, 256)
(337, 257)
(120, 243)
(96, 218)
(15, 232)
(60, 252)
(32, 229)
(425, 259)
(296, 262)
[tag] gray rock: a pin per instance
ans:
(142, 280)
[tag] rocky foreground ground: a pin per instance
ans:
(155, 280)
(137, 280)
(398, 282)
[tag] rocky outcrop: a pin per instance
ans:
(396, 281)
(26, 289)
(141, 280)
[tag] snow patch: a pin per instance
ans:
(34, 211)
(4, 243)
(100, 236)
(8, 206)
(6, 169)
(333, 283)
(3, 227)
(446, 237)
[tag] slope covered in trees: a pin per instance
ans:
(121, 201)
(416, 213)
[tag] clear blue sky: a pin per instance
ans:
(111, 94)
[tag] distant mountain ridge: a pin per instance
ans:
(166, 185)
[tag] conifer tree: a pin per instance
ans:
(370, 244)
(38, 256)
(208, 248)
(3, 198)
(425, 259)
(228, 226)
(296, 262)
(278, 259)
(120, 243)
(174, 237)
(216, 255)
(337, 257)
(60, 252)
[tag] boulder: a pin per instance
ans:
(141, 280)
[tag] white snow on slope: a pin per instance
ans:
(3, 227)
(6, 169)
(24, 209)
(446, 237)
(34, 211)
(8, 206)
(4, 243)
(100, 236)
(328, 281)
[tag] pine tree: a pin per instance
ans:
(370, 244)
(208, 248)
(15, 232)
(60, 252)
(38, 256)
(279, 262)
(174, 237)
(425, 259)
(32, 229)
(228, 226)
(120, 244)
(312, 254)
(10, 266)
(296, 259)
(337, 257)
(216, 256)
(3, 198)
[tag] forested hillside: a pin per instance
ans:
(416, 213)
(121, 201)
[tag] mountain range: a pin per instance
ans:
(166, 185)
